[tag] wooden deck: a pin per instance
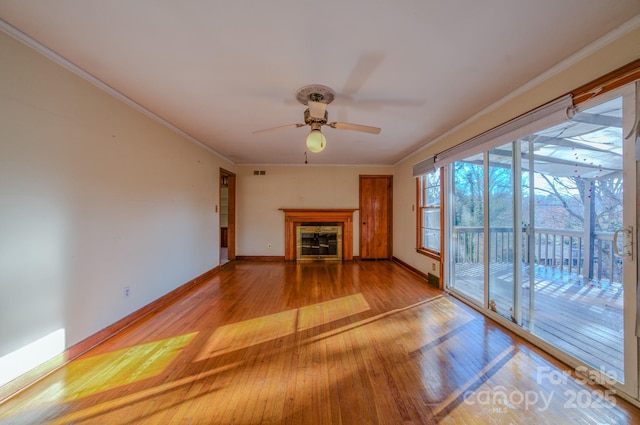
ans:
(284, 343)
(582, 319)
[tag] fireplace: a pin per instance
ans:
(338, 222)
(319, 241)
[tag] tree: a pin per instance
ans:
(560, 202)
(469, 194)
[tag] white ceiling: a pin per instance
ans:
(218, 70)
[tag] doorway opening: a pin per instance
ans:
(227, 216)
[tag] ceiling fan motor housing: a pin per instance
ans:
(315, 93)
(317, 97)
(308, 119)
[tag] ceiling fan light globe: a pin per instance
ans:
(316, 141)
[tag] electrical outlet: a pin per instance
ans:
(127, 291)
(433, 267)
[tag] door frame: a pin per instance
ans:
(230, 178)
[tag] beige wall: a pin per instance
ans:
(602, 57)
(259, 220)
(94, 197)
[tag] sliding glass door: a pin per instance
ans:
(503, 241)
(467, 235)
(577, 206)
(542, 235)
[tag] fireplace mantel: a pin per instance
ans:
(296, 216)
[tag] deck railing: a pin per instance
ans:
(561, 250)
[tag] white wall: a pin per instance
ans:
(94, 197)
(259, 198)
(608, 54)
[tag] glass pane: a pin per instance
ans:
(467, 246)
(430, 186)
(501, 232)
(433, 196)
(431, 239)
(576, 205)
(433, 179)
(431, 218)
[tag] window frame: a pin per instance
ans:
(420, 190)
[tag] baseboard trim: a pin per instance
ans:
(410, 268)
(40, 372)
(275, 258)
(260, 257)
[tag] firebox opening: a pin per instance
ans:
(319, 241)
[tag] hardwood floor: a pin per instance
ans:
(585, 320)
(356, 343)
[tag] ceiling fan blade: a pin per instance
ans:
(361, 72)
(317, 109)
(282, 127)
(354, 127)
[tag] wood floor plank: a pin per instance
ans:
(366, 342)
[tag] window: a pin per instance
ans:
(429, 213)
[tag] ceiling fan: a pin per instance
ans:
(317, 97)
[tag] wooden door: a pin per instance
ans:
(376, 200)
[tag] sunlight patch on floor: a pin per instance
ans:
(237, 336)
(106, 371)
(329, 311)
